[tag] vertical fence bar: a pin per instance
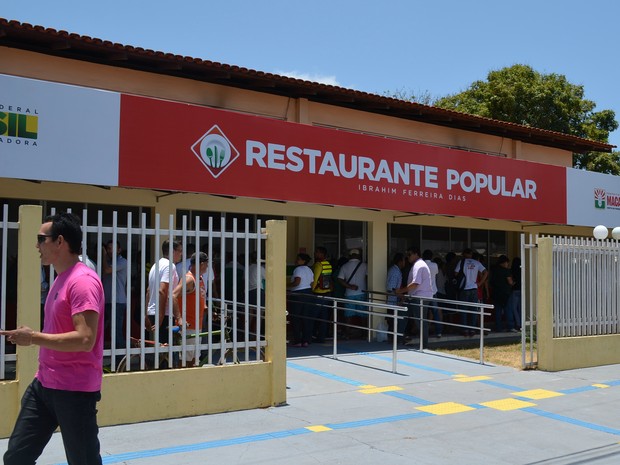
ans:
(171, 273)
(113, 316)
(259, 287)
(183, 280)
(128, 294)
(234, 286)
(246, 293)
(3, 267)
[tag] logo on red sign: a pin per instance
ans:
(215, 151)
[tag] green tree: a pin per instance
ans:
(519, 94)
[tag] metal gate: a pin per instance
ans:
(585, 290)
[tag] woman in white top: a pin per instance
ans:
(300, 302)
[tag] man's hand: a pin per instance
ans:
(21, 336)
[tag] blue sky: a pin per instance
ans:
(434, 46)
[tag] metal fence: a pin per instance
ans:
(233, 330)
(586, 287)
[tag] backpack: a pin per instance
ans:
(325, 282)
(456, 284)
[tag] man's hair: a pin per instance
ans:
(67, 225)
(168, 247)
(118, 244)
(322, 250)
(397, 258)
(427, 254)
(414, 250)
(305, 257)
(202, 258)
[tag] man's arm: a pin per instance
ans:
(482, 277)
(316, 270)
(163, 300)
(81, 339)
(404, 290)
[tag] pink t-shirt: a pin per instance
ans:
(74, 290)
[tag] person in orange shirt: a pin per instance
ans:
(188, 313)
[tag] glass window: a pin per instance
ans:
(326, 234)
(459, 239)
(436, 239)
(498, 245)
(480, 243)
(339, 236)
(403, 236)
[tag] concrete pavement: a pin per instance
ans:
(435, 410)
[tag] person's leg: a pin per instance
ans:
(437, 318)
(324, 316)
(77, 418)
(469, 319)
(33, 429)
(121, 310)
(296, 305)
(500, 310)
(515, 308)
(307, 313)
(421, 314)
(404, 322)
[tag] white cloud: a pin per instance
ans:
(331, 80)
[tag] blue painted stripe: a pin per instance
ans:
(138, 455)
(578, 390)
(408, 398)
(572, 421)
(501, 385)
(325, 374)
(377, 421)
(409, 364)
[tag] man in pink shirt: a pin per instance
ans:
(67, 385)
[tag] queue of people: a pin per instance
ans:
(464, 279)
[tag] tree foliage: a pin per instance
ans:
(519, 94)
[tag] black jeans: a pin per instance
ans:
(42, 411)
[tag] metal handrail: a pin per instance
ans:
(450, 305)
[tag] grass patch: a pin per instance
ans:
(504, 355)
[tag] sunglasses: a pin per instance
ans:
(41, 237)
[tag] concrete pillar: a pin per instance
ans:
(377, 257)
(28, 290)
(544, 309)
(275, 307)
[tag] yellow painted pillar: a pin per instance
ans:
(28, 290)
(544, 310)
(377, 257)
(275, 307)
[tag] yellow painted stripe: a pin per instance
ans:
(507, 404)
(471, 379)
(377, 390)
(445, 408)
(537, 394)
(318, 428)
